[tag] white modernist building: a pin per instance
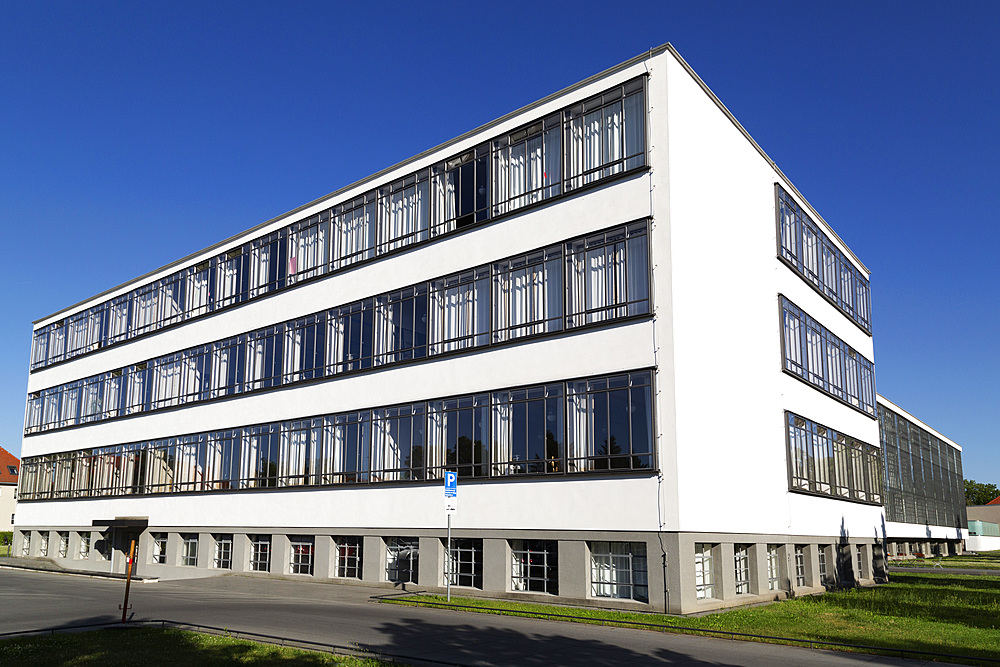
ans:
(648, 358)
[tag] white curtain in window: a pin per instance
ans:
(57, 343)
(292, 364)
(197, 293)
(579, 440)
(249, 460)
(814, 354)
(847, 285)
(111, 394)
(502, 444)
(70, 405)
(171, 300)
(292, 457)
(307, 251)
(228, 281)
(524, 300)
(143, 310)
(386, 451)
(518, 567)
(459, 316)
(793, 342)
(444, 204)
(77, 334)
(355, 234)
(33, 413)
(404, 216)
(810, 254)
(118, 320)
(612, 154)
(90, 400)
(261, 259)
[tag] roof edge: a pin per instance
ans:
(879, 398)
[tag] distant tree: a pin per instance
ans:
(977, 493)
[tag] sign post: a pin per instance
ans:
(450, 507)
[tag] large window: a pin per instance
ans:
(605, 135)
(459, 311)
(347, 556)
(528, 434)
(398, 443)
(704, 571)
(596, 139)
(223, 552)
(189, 550)
(402, 560)
(827, 462)
(593, 424)
(811, 253)
(260, 553)
(773, 568)
(618, 570)
(159, 551)
(301, 554)
(534, 566)
(458, 436)
(741, 561)
(528, 294)
(813, 353)
(923, 474)
(608, 423)
(527, 165)
(607, 276)
(463, 564)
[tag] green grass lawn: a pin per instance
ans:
(987, 560)
(940, 613)
(149, 646)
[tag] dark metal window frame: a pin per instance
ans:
(868, 492)
(819, 378)
(534, 566)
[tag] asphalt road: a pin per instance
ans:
(347, 616)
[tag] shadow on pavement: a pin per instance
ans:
(475, 645)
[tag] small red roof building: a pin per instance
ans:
(10, 465)
(995, 501)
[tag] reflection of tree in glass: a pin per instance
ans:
(468, 459)
(616, 459)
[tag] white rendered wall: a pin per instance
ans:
(723, 281)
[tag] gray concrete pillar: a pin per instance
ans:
(373, 561)
(496, 564)
(431, 572)
(574, 569)
(324, 557)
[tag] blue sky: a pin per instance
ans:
(136, 133)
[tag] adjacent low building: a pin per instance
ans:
(9, 467)
(609, 312)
